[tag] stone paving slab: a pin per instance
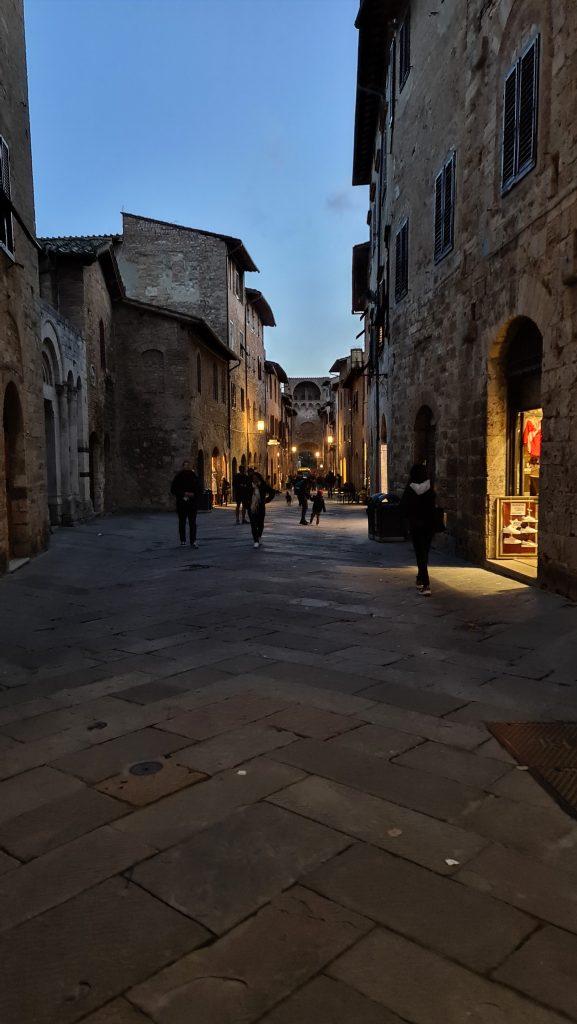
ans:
(543, 832)
(148, 693)
(105, 760)
(230, 870)
(312, 723)
(232, 748)
(261, 961)
(219, 718)
(327, 1001)
(449, 763)
(520, 785)
(544, 892)
(141, 790)
(377, 740)
(65, 872)
(424, 988)
(43, 828)
(181, 815)
(32, 789)
(120, 1011)
(426, 726)
(406, 786)
(545, 968)
(87, 951)
(403, 832)
(428, 702)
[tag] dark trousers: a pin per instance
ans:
(304, 508)
(241, 503)
(186, 512)
(257, 523)
(422, 544)
(318, 515)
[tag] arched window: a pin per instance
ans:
(47, 370)
(199, 374)
(307, 391)
(102, 344)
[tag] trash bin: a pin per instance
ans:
(389, 524)
(205, 503)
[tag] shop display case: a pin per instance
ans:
(517, 527)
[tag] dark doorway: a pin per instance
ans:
(15, 474)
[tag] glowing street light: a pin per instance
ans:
(294, 449)
(330, 439)
(260, 426)
(317, 455)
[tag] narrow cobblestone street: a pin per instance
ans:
(245, 785)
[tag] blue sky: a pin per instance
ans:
(230, 115)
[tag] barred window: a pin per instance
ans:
(6, 227)
(445, 209)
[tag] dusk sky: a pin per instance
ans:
(229, 115)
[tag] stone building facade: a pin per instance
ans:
(349, 388)
(310, 396)
(23, 504)
(280, 461)
(80, 281)
(471, 304)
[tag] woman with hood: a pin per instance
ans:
(418, 506)
(260, 494)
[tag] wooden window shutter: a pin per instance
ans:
(448, 204)
(404, 51)
(5, 169)
(510, 128)
(402, 262)
(527, 109)
(6, 229)
(439, 196)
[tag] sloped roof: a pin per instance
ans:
(235, 246)
(373, 25)
(361, 255)
(272, 367)
(205, 331)
(78, 245)
(257, 299)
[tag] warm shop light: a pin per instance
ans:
(330, 439)
(260, 426)
(294, 449)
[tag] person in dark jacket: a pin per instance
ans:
(318, 506)
(241, 493)
(303, 494)
(186, 489)
(260, 494)
(418, 507)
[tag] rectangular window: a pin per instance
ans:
(241, 342)
(445, 209)
(233, 395)
(402, 262)
(231, 335)
(215, 382)
(520, 106)
(404, 51)
(242, 399)
(223, 385)
(6, 228)
(259, 369)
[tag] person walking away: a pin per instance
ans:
(330, 482)
(260, 495)
(288, 495)
(318, 506)
(186, 489)
(418, 506)
(225, 489)
(304, 495)
(240, 493)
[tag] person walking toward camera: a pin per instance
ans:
(241, 493)
(418, 506)
(318, 506)
(260, 494)
(186, 489)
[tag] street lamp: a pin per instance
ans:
(294, 449)
(317, 455)
(330, 439)
(260, 426)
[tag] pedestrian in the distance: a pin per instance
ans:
(186, 489)
(318, 506)
(330, 482)
(240, 493)
(304, 495)
(288, 495)
(225, 490)
(418, 507)
(260, 494)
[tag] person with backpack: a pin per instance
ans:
(187, 490)
(318, 506)
(418, 506)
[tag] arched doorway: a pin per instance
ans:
(514, 419)
(243, 460)
(217, 471)
(52, 428)
(234, 468)
(424, 440)
(384, 457)
(200, 467)
(15, 474)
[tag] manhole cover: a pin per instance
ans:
(549, 749)
(146, 768)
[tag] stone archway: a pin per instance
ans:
(15, 475)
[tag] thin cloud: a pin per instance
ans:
(339, 202)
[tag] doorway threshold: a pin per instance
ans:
(514, 569)
(16, 563)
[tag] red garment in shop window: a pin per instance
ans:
(532, 438)
(535, 445)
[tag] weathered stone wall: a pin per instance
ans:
(25, 505)
(514, 256)
(162, 417)
(307, 425)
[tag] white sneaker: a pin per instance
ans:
(256, 544)
(425, 591)
(195, 545)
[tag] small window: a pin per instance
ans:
(445, 209)
(6, 228)
(402, 262)
(231, 335)
(223, 385)
(404, 51)
(391, 74)
(102, 344)
(215, 382)
(199, 374)
(233, 395)
(520, 106)
(242, 399)
(259, 368)
(241, 342)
